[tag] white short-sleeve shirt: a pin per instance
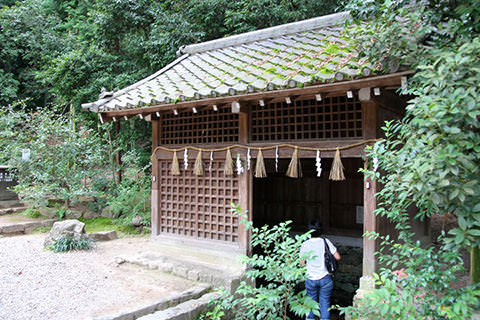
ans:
(316, 264)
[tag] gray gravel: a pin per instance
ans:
(39, 284)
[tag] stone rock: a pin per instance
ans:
(88, 214)
(48, 212)
(103, 235)
(107, 212)
(137, 221)
(73, 214)
(67, 228)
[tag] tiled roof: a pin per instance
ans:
(299, 54)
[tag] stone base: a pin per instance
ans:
(367, 284)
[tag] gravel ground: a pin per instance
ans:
(39, 284)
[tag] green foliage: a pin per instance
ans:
(277, 270)
(428, 160)
(32, 213)
(60, 213)
(63, 160)
(132, 198)
(69, 244)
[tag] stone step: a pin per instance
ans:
(189, 310)
(189, 270)
(11, 210)
(24, 227)
(163, 304)
(5, 204)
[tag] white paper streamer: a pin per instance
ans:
(276, 159)
(375, 164)
(318, 163)
(240, 169)
(185, 159)
(211, 162)
(249, 158)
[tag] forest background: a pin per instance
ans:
(57, 54)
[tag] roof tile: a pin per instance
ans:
(308, 56)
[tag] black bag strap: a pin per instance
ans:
(327, 247)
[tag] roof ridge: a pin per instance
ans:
(277, 31)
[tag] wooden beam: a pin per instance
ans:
(245, 180)
(119, 154)
(155, 204)
(369, 224)
(369, 190)
(378, 81)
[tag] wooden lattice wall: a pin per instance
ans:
(205, 127)
(330, 118)
(198, 206)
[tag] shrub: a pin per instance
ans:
(277, 271)
(32, 213)
(69, 243)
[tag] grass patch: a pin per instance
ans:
(68, 244)
(41, 230)
(106, 224)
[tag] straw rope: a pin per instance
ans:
(283, 145)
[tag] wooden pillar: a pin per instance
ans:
(155, 200)
(369, 109)
(119, 153)
(245, 180)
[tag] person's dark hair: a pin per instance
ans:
(316, 227)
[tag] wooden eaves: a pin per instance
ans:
(393, 80)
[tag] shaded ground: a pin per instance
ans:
(40, 284)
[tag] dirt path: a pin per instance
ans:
(39, 284)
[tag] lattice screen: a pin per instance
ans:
(206, 126)
(333, 117)
(198, 206)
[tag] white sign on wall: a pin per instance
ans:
(26, 154)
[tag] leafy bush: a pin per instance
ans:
(132, 198)
(32, 213)
(61, 213)
(277, 271)
(69, 243)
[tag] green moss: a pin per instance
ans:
(106, 224)
(333, 48)
(325, 70)
(271, 70)
(41, 230)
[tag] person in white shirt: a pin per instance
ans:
(319, 283)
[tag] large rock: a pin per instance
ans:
(103, 235)
(48, 212)
(107, 212)
(67, 228)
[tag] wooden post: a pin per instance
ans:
(369, 110)
(155, 205)
(369, 224)
(119, 153)
(245, 180)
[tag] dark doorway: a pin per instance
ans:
(338, 204)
